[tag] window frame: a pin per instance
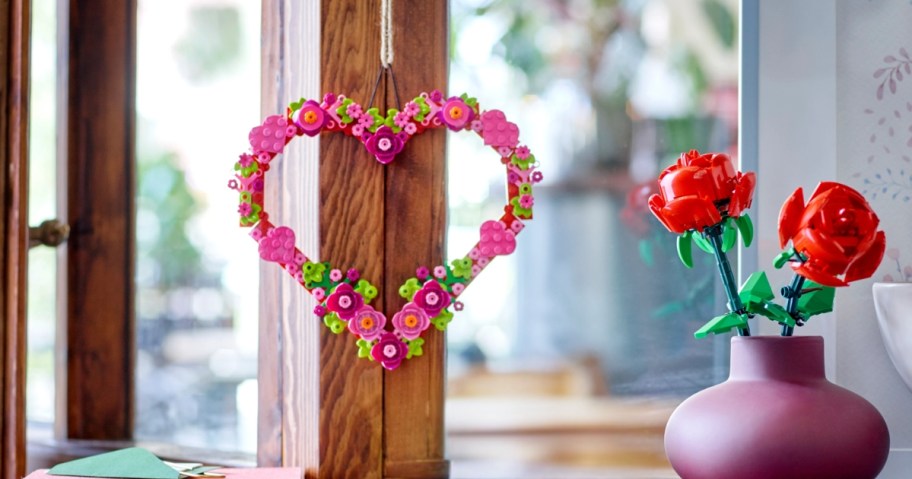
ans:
(14, 88)
(96, 177)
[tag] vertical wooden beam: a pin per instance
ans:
(351, 234)
(415, 229)
(289, 344)
(368, 426)
(14, 87)
(100, 171)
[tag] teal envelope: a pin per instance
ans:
(132, 463)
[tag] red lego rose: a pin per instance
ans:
(836, 233)
(699, 191)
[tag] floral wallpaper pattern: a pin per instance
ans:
(879, 138)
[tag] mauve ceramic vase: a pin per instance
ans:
(777, 417)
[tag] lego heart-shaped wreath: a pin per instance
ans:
(345, 297)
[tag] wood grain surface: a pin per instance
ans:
(100, 171)
(385, 221)
(14, 82)
(351, 235)
(415, 230)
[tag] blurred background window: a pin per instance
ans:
(42, 273)
(196, 291)
(589, 326)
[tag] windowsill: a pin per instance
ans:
(43, 454)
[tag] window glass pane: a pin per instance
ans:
(594, 312)
(198, 70)
(42, 273)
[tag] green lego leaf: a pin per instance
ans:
(774, 312)
(296, 105)
(729, 236)
(818, 301)
(414, 348)
(722, 324)
(364, 349)
(756, 289)
(782, 258)
(334, 324)
(685, 249)
(746, 228)
(703, 243)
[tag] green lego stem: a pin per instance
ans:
(791, 305)
(714, 235)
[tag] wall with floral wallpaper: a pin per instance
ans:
(874, 155)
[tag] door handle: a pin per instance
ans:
(49, 233)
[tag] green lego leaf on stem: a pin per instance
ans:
(722, 324)
(685, 249)
(782, 258)
(772, 311)
(746, 228)
(729, 236)
(703, 243)
(756, 289)
(817, 301)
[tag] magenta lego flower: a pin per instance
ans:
(456, 114)
(522, 152)
(310, 118)
(245, 160)
(537, 177)
(245, 209)
(389, 351)
(319, 310)
(436, 96)
(384, 144)
(432, 298)
(353, 275)
(422, 272)
(526, 201)
(344, 301)
(367, 323)
(411, 321)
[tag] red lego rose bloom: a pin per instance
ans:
(836, 232)
(699, 191)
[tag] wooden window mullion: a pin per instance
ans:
(99, 185)
(14, 87)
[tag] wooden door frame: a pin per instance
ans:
(14, 100)
(320, 406)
